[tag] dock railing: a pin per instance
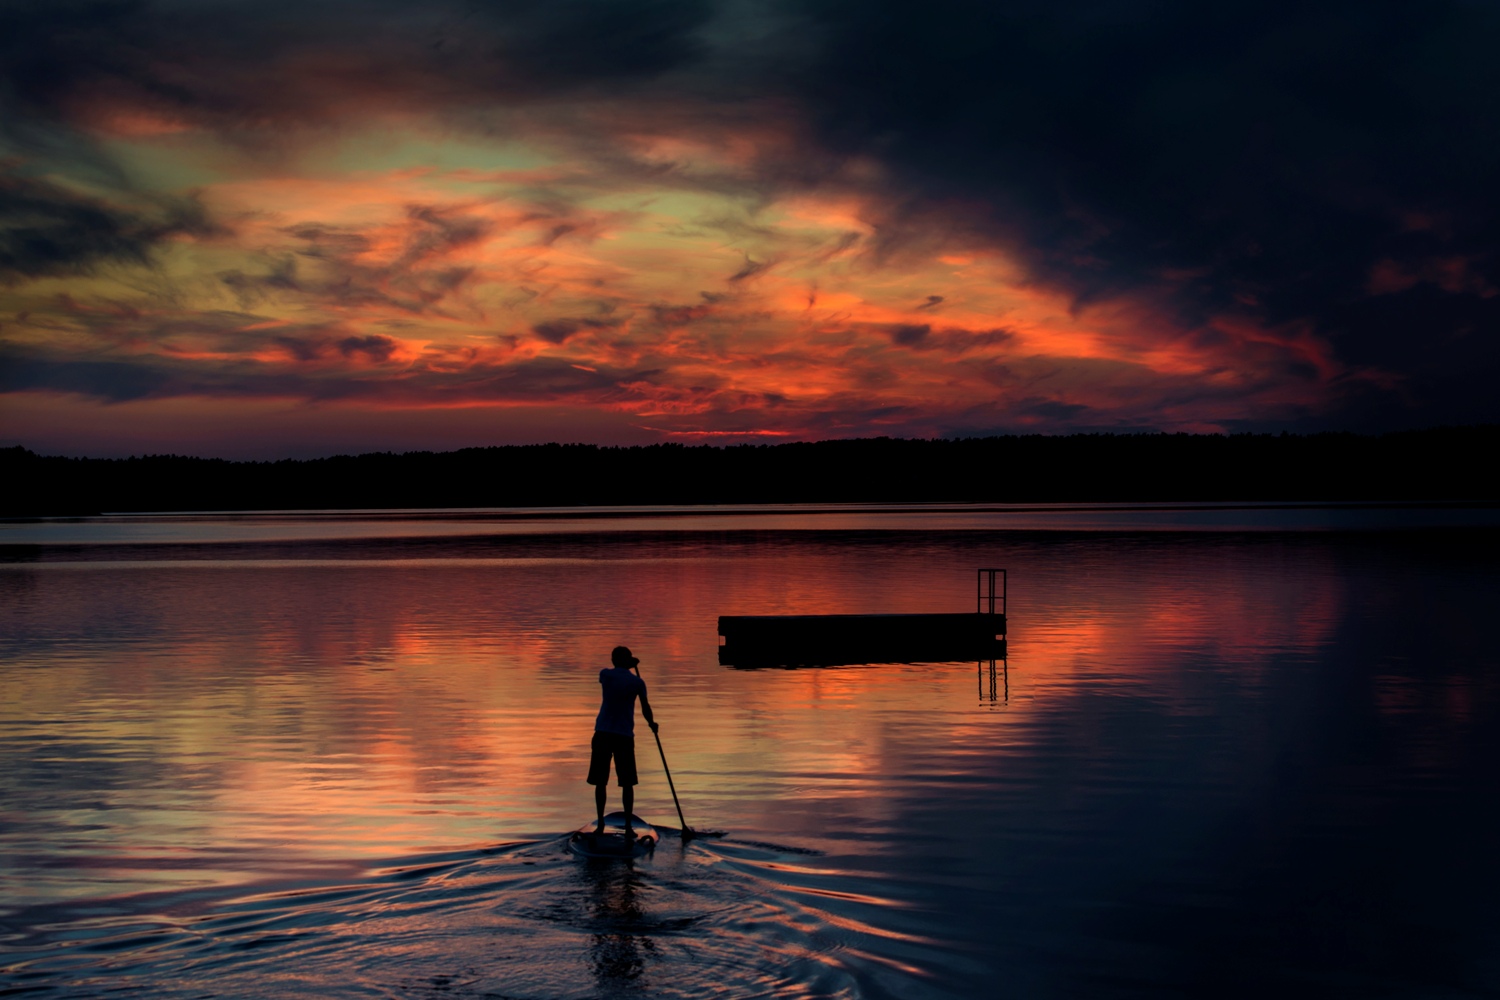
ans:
(992, 588)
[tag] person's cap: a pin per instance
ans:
(621, 657)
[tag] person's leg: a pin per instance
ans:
(625, 769)
(599, 774)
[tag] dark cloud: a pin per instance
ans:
(910, 335)
(749, 270)
(329, 241)
(281, 276)
(676, 316)
(558, 331)
(110, 380)
(374, 347)
(125, 379)
(242, 65)
(1257, 159)
(949, 340)
(48, 229)
(436, 231)
(303, 348)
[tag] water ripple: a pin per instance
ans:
(522, 920)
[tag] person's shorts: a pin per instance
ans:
(622, 749)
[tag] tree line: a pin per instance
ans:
(1427, 465)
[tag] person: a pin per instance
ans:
(614, 733)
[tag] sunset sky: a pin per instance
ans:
(292, 228)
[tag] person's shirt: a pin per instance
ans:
(617, 713)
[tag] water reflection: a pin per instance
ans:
(997, 669)
(619, 949)
(349, 709)
(1207, 751)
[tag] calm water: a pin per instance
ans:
(265, 757)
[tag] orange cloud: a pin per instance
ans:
(667, 299)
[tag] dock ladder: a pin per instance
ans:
(992, 588)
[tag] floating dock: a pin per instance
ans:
(832, 640)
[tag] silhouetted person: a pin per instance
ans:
(614, 733)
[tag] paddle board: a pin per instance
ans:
(612, 843)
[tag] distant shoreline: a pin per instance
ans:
(1441, 466)
(583, 513)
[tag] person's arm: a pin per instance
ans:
(646, 708)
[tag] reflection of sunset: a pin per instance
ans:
(307, 760)
(363, 709)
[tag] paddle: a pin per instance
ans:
(688, 833)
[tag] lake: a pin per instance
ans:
(1233, 751)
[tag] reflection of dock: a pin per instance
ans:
(829, 640)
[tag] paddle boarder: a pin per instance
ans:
(614, 732)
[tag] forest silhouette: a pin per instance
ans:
(1442, 464)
